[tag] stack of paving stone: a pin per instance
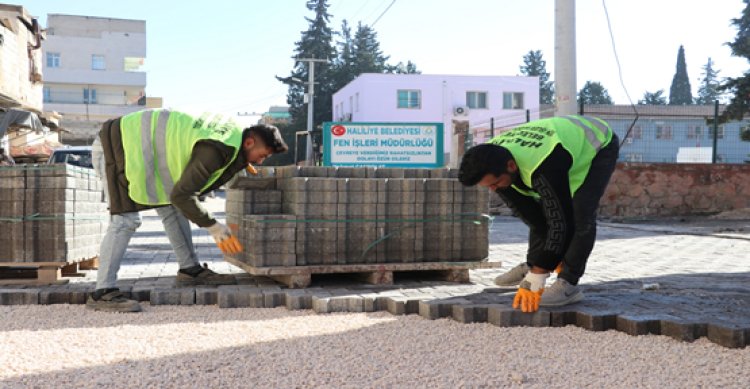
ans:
(330, 216)
(50, 213)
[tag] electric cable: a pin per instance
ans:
(381, 15)
(619, 71)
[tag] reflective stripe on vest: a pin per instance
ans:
(531, 143)
(158, 149)
(589, 132)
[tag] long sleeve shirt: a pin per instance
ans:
(550, 218)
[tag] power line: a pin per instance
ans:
(381, 15)
(619, 71)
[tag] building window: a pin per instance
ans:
(719, 134)
(637, 133)
(97, 62)
(663, 132)
(89, 96)
(476, 100)
(53, 60)
(411, 99)
(47, 94)
(695, 132)
(512, 100)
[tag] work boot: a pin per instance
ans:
(513, 277)
(561, 293)
(111, 300)
(198, 275)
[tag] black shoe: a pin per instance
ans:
(205, 277)
(112, 301)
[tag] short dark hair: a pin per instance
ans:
(481, 160)
(269, 135)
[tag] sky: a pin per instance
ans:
(222, 56)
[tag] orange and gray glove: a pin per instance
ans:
(251, 169)
(227, 242)
(530, 292)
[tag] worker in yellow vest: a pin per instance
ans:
(552, 174)
(164, 160)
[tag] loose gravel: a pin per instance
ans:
(61, 346)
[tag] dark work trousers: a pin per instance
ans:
(585, 206)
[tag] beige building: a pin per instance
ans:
(24, 128)
(93, 69)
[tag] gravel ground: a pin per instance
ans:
(60, 346)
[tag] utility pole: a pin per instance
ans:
(309, 96)
(565, 57)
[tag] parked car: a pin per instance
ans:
(73, 155)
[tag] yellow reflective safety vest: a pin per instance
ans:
(531, 143)
(157, 145)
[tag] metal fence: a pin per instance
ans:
(662, 134)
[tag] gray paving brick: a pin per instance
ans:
(10, 296)
(178, 296)
(506, 316)
(469, 313)
(206, 296)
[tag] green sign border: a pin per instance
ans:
(327, 145)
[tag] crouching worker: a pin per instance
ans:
(164, 160)
(551, 173)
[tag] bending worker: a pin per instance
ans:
(164, 160)
(551, 173)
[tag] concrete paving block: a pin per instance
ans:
(177, 296)
(638, 325)
(727, 336)
(683, 331)
(435, 309)
(384, 172)
(298, 299)
(206, 296)
(402, 305)
(54, 295)
(350, 172)
(274, 298)
(469, 313)
(241, 297)
(141, 293)
(507, 316)
(596, 321)
(320, 304)
(10, 296)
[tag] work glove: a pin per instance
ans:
(251, 169)
(228, 243)
(530, 292)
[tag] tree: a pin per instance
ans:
(594, 93)
(534, 65)
(366, 51)
(739, 87)
(709, 92)
(654, 98)
(400, 68)
(316, 42)
(679, 92)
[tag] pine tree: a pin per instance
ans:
(654, 98)
(739, 87)
(316, 42)
(366, 51)
(679, 92)
(708, 92)
(534, 65)
(594, 93)
(400, 68)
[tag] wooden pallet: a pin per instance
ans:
(43, 273)
(378, 274)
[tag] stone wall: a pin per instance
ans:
(648, 190)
